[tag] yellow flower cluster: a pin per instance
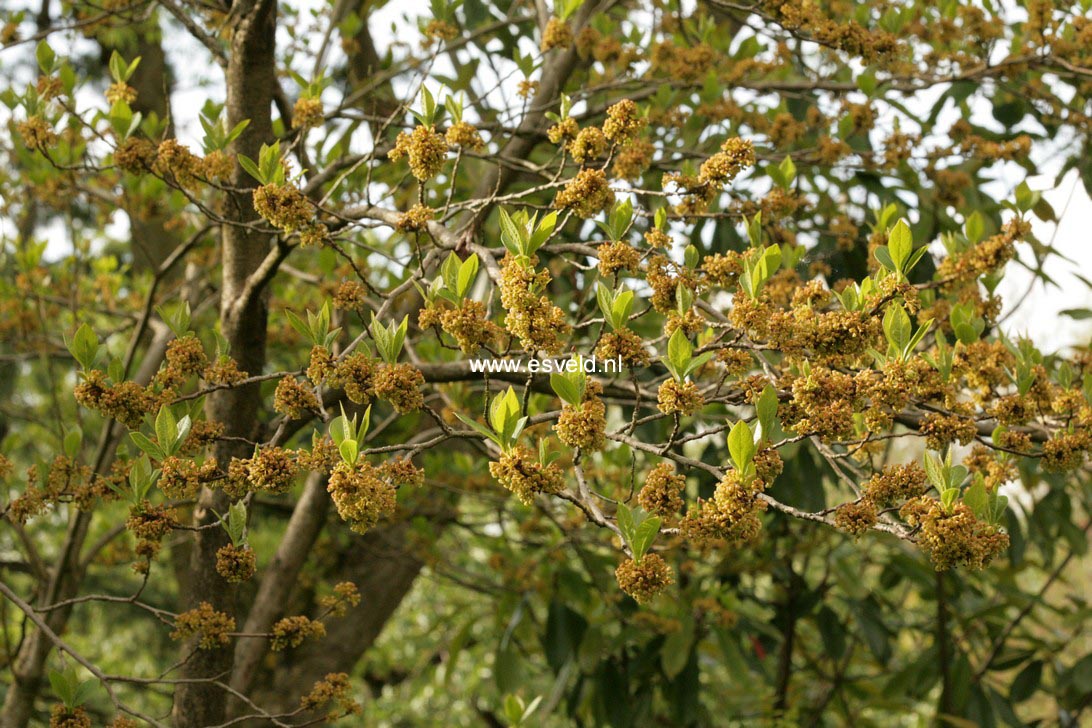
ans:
(208, 624)
(271, 470)
(520, 472)
(953, 538)
(466, 323)
(293, 398)
(558, 34)
(236, 564)
(399, 384)
(587, 194)
(644, 580)
(425, 150)
(682, 398)
(662, 492)
(360, 494)
(531, 317)
(290, 632)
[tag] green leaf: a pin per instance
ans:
(976, 499)
(935, 471)
(1026, 682)
(565, 388)
(788, 171)
(236, 525)
(46, 58)
(675, 652)
(166, 428)
(975, 227)
(1026, 198)
(620, 311)
(512, 237)
(64, 686)
(477, 427)
(766, 408)
(624, 516)
(900, 244)
(468, 271)
(84, 346)
(84, 691)
(146, 444)
(896, 326)
(605, 298)
(679, 351)
(690, 257)
(741, 446)
(644, 533)
(251, 168)
(449, 271)
(349, 451)
(884, 256)
(72, 441)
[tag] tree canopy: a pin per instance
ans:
(584, 362)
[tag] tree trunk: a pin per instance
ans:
(250, 84)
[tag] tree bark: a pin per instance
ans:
(250, 85)
(384, 570)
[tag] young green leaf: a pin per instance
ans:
(900, 244)
(741, 446)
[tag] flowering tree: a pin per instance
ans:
(258, 458)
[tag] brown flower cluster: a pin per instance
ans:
(236, 563)
(127, 402)
(589, 144)
(283, 206)
(360, 494)
(895, 483)
(185, 357)
(521, 473)
(271, 470)
(402, 471)
(617, 255)
(464, 134)
(307, 113)
(399, 384)
(354, 373)
(953, 538)
(623, 122)
(940, 431)
(625, 344)
(290, 632)
(732, 515)
(149, 524)
(644, 580)
(415, 219)
(182, 477)
(558, 34)
(662, 492)
(293, 398)
(37, 134)
(209, 625)
(856, 517)
(62, 717)
(334, 688)
(345, 596)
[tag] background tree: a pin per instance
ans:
(251, 250)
